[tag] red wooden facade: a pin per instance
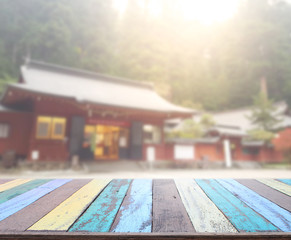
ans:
(20, 125)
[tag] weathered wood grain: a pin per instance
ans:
(64, 215)
(265, 191)
(12, 184)
(135, 214)
(14, 192)
(16, 204)
(26, 217)
(282, 187)
(101, 213)
(284, 180)
(278, 216)
(139, 236)
(204, 214)
(169, 213)
(238, 213)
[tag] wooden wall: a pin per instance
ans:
(20, 127)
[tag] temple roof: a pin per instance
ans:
(89, 87)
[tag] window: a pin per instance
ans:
(43, 127)
(4, 130)
(50, 127)
(58, 128)
(152, 134)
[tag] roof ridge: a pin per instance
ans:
(80, 72)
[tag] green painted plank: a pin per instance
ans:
(285, 180)
(238, 213)
(16, 191)
(65, 214)
(101, 213)
(278, 216)
(135, 214)
(279, 186)
(204, 214)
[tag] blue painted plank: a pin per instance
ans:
(101, 213)
(278, 216)
(16, 191)
(14, 205)
(135, 214)
(287, 181)
(238, 213)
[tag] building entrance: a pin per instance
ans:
(105, 141)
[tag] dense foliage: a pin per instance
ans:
(216, 66)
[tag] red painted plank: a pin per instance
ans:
(26, 217)
(169, 213)
(265, 191)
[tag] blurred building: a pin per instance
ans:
(230, 134)
(54, 113)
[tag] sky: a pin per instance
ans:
(205, 11)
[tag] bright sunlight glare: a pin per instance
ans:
(205, 11)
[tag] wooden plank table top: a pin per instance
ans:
(70, 209)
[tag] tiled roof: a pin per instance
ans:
(89, 87)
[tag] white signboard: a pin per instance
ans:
(151, 154)
(183, 152)
(34, 155)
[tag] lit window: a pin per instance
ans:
(4, 130)
(43, 127)
(58, 128)
(152, 134)
(50, 127)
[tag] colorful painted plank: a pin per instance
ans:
(169, 213)
(282, 187)
(12, 184)
(64, 215)
(265, 191)
(101, 213)
(26, 217)
(16, 204)
(238, 213)
(135, 214)
(284, 180)
(5, 180)
(278, 216)
(14, 192)
(204, 214)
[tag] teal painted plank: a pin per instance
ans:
(278, 216)
(135, 214)
(238, 213)
(101, 213)
(14, 205)
(14, 192)
(287, 181)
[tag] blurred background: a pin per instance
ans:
(227, 60)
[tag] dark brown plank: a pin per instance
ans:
(265, 191)
(26, 217)
(136, 236)
(5, 180)
(169, 213)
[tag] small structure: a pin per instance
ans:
(54, 113)
(227, 139)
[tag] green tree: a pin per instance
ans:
(263, 114)
(264, 117)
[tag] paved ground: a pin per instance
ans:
(129, 169)
(155, 173)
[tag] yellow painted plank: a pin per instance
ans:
(64, 215)
(282, 187)
(12, 184)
